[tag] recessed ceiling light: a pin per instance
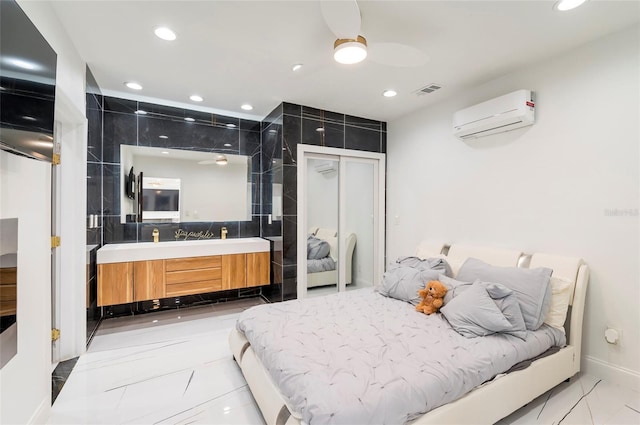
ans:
(132, 85)
(165, 33)
(141, 112)
(349, 51)
(29, 118)
(189, 119)
(564, 5)
(273, 130)
(231, 125)
(389, 93)
(247, 107)
(165, 152)
(227, 145)
(296, 67)
(162, 136)
(196, 98)
(320, 129)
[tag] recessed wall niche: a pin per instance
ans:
(271, 145)
(162, 127)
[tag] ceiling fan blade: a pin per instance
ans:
(342, 18)
(396, 54)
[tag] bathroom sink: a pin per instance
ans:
(122, 252)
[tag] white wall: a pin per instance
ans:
(548, 188)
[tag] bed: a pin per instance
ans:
(485, 400)
(324, 275)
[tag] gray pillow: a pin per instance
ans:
(531, 286)
(419, 263)
(473, 313)
(454, 287)
(403, 283)
(317, 248)
(507, 302)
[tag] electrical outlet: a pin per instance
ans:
(612, 336)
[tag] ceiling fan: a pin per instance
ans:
(344, 20)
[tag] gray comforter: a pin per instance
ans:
(358, 357)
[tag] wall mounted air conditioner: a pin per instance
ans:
(326, 167)
(504, 113)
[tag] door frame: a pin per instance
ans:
(306, 151)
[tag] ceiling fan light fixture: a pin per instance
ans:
(349, 51)
(564, 5)
(221, 160)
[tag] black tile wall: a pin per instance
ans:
(271, 144)
(94, 137)
(302, 124)
(118, 129)
(164, 126)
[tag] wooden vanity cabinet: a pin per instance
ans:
(258, 267)
(235, 271)
(115, 283)
(127, 282)
(148, 280)
(193, 275)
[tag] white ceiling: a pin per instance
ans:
(234, 52)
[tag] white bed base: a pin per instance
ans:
(487, 403)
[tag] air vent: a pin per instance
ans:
(428, 89)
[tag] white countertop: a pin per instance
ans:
(123, 252)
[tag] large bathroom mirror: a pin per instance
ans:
(184, 185)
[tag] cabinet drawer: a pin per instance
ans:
(8, 275)
(190, 263)
(8, 292)
(178, 289)
(193, 275)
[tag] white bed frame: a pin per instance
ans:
(487, 403)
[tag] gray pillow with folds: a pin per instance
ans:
(426, 264)
(403, 283)
(473, 313)
(531, 286)
(454, 287)
(504, 298)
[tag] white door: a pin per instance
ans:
(340, 220)
(25, 378)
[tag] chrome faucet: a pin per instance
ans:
(223, 233)
(156, 235)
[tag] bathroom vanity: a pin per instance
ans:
(148, 271)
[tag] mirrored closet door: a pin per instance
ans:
(340, 220)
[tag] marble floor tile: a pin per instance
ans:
(176, 367)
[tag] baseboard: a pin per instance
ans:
(611, 373)
(42, 413)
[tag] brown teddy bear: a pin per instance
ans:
(432, 297)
